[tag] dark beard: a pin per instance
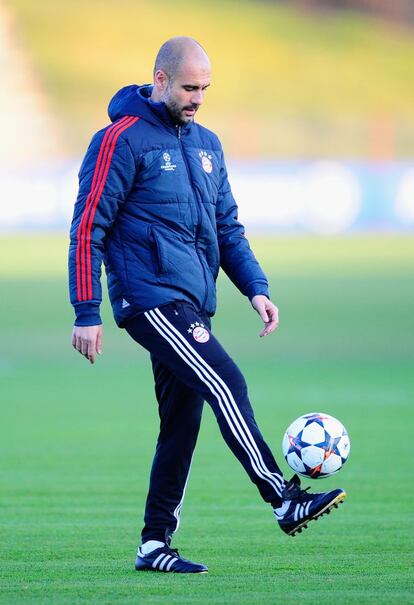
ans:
(176, 110)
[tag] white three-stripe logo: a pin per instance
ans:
(222, 393)
(164, 561)
(301, 511)
(157, 560)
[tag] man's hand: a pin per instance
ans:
(88, 341)
(268, 312)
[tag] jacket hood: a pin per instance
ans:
(135, 100)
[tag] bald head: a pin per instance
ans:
(181, 77)
(178, 52)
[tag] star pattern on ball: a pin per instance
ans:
(316, 445)
(318, 418)
(295, 443)
(330, 445)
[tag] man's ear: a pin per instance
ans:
(160, 80)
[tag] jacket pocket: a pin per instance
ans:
(157, 251)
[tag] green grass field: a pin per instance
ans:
(77, 441)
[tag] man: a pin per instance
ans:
(155, 205)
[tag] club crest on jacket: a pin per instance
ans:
(206, 161)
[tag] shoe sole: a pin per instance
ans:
(169, 571)
(324, 511)
(148, 569)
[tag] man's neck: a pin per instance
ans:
(155, 95)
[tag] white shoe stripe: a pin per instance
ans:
(214, 376)
(177, 511)
(163, 563)
(295, 516)
(307, 507)
(170, 564)
(157, 560)
(186, 352)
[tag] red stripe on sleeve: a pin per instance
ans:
(82, 234)
(80, 250)
(111, 148)
(81, 269)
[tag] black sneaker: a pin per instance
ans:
(167, 559)
(299, 507)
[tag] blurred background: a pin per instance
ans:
(314, 103)
(313, 100)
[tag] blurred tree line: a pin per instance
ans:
(396, 10)
(291, 78)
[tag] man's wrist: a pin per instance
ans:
(258, 290)
(87, 314)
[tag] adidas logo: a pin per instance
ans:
(125, 303)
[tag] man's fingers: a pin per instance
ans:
(273, 321)
(91, 351)
(263, 314)
(99, 342)
(269, 327)
(88, 341)
(268, 312)
(84, 346)
(274, 315)
(79, 345)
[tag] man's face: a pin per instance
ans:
(185, 92)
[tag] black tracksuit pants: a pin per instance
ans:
(191, 366)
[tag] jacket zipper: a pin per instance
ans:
(197, 203)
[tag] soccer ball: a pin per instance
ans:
(316, 445)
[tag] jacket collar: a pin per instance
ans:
(135, 100)
(159, 109)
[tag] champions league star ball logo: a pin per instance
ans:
(168, 166)
(206, 161)
(199, 332)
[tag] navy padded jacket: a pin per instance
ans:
(155, 206)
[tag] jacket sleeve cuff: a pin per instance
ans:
(255, 288)
(87, 314)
